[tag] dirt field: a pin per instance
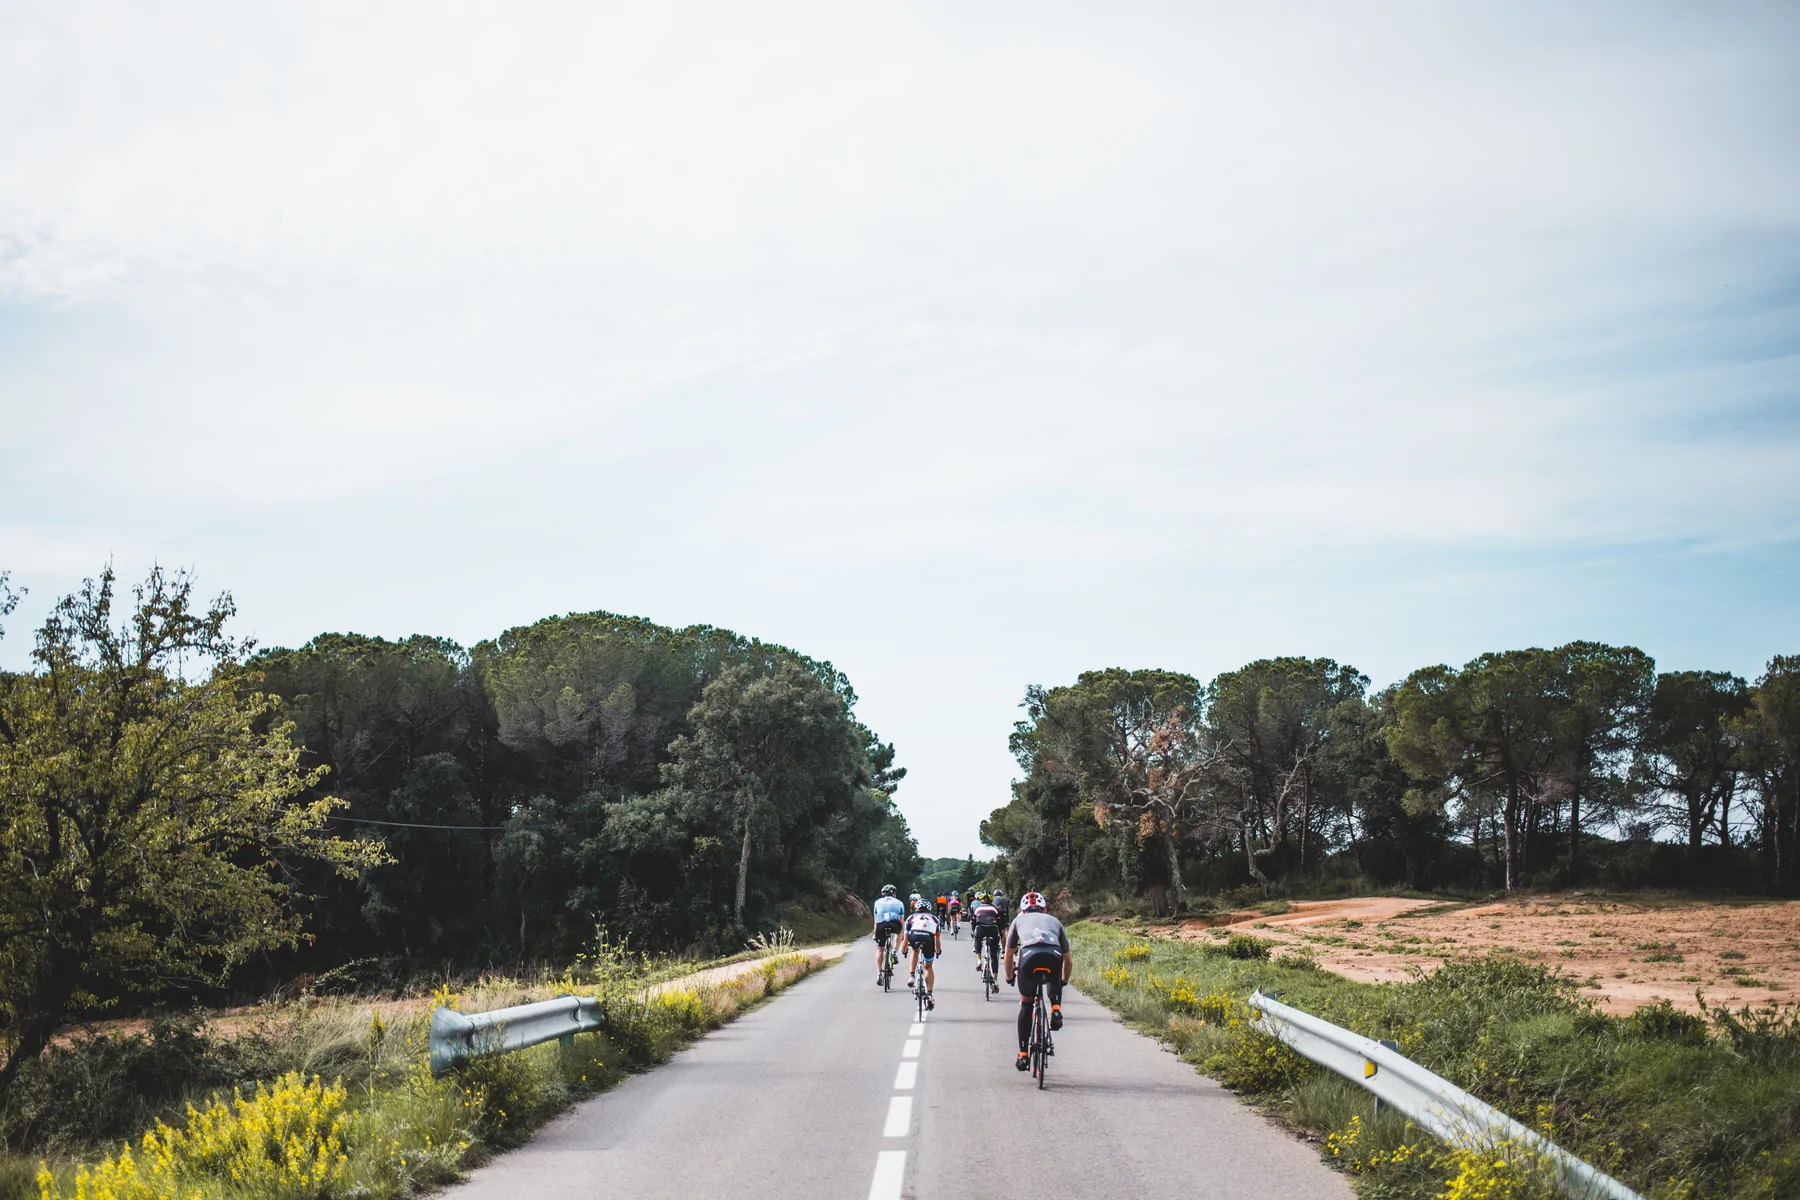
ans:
(1626, 952)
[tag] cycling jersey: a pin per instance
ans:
(1037, 929)
(985, 914)
(889, 908)
(921, 924)
(955, 905)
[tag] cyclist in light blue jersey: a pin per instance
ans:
(890, 915)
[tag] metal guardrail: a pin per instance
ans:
(1452, 1115)
(456, 1036)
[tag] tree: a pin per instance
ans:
(1267, 724)
(1385, 809)
(1485, 727)
(1601, 695)
(1770, 732)
(774, 750)
(144, 810)
(1120, 746)
(1689, 754)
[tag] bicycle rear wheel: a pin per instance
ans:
(1040, 1062)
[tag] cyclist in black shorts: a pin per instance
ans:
(985, 919)
(926, 941)
(1037, 954)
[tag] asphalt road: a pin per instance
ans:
(831, 1091)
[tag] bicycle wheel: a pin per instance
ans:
(887, 965)
(1040, 1026)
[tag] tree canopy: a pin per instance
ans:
(1493, 774)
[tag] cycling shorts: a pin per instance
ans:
(885, 928)
(1039, 965)
(924, 943)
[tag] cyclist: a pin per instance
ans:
(985, 923)
(1037, 946)
(925, 940)
(955, 911)
(890, 915)
(1000, 903)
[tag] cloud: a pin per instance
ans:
(964, 346)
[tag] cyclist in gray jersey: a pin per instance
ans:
(1037, 954)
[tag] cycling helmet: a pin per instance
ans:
(887, 889)
(1032, 902)
(986, 897)
(955, 895)
(920, 906)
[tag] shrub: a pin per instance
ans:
(96, 1091)
(1663, 1022)
(285, 1143)
(1246, 946)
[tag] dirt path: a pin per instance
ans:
(1627, 953)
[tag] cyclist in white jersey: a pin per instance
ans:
(926, 940)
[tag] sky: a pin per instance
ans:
(965, 346)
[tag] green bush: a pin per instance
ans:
(96, 1090)
(1246, 946)
(1663, 1022)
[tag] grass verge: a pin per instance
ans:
(342, 1104)
(1677, 1106)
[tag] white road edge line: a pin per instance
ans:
(890, 1174)
(906, 1076)
(912, 1048)
(899, 1118)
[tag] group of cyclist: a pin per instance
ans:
(1035, 944)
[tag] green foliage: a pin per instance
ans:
(1286, 776)
(142, 813)
(1663, 1022)
(544, 752)
(101, 1089)
(1244, 945)
(1676, 1105)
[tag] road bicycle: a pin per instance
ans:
(890, 958)
(1042, 1047)
(920, 995)
(955, 927)
(988, 986)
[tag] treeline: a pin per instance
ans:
(180, 816)
(1527, 768)
(676, 786)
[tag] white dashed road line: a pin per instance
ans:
(899, 1118)
(890, 1165)
(890, 1174)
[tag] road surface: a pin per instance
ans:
(831, 1091)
